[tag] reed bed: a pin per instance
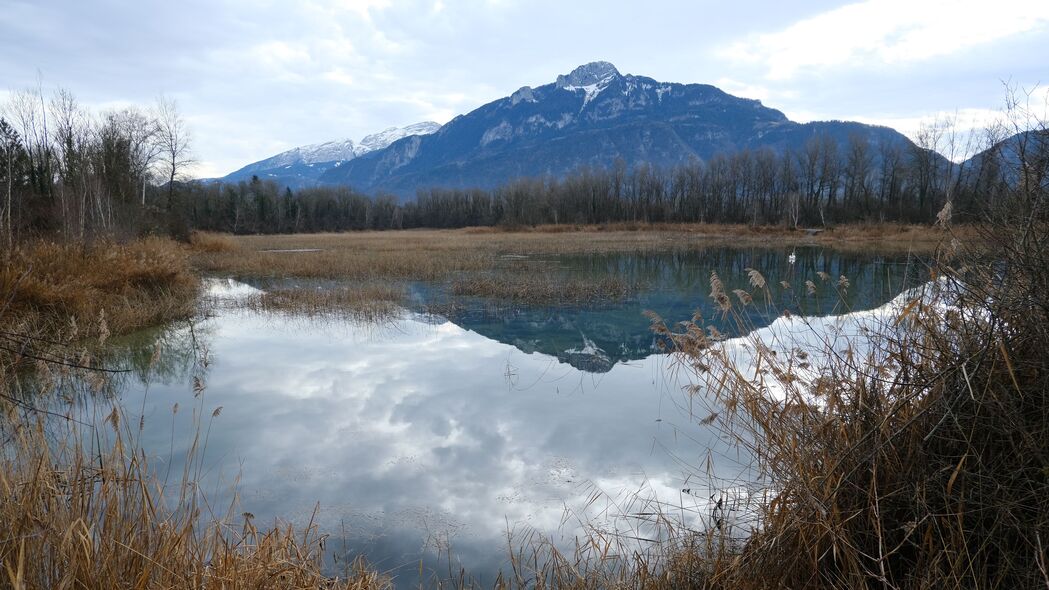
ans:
(74, 515)
(369, 303)
(57, 300)
(444, 254)
(212, 242)
(912, 457)
(543, 289)
(131, 285)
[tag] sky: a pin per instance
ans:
(256, 77)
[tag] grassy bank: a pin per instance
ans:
(917, 458)
(441, 254)
(500, 263)
(80, 507)
(58, 300)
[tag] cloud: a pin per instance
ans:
(256, 78)
(886, 32)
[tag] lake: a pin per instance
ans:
(426, 441)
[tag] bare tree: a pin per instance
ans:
(143, 135)
(174, 141)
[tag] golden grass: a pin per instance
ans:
(211, 242)
(922, 466)
(73, 518)
(373, 302)
(440, 254)
(487, 261)
(131, 285)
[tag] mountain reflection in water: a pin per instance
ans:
(424, 436)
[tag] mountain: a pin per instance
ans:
(591, 116)
(1003, 161)
(302, 166)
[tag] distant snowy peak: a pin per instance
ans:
(324, 152)
(302, 166)
(346, 149)
(591, 79)
(592, 74)
(382, 139)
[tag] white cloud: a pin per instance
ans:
(743, 89)
(887, 32)
(339, 76)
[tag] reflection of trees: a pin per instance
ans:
(164, 354)
(675, 285)
(168, 353)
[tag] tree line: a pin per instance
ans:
(822, 184)
(68, 172)
(65, 171)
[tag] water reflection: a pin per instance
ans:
(675, 285)
(420, 435)
(424, 437)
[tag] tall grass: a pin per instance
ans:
(913, 456)
(75, 515)
(444, 254)
(368, 303)
(130, 285)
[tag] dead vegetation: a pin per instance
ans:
(442, 254)
(918, 456)
(544, 289)
(498, 262)
(54, 297)
(76, 515)
(211, 242)
(368, 303)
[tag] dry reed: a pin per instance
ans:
(444, 254)
(371, 302)
(72, 516)
(920, 463)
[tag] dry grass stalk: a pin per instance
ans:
(920, 463)
(71, 517)
(211, 242)
(444, 254)
(371, 302)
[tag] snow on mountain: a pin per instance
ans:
(302, 165)
(323, 152)
(591, 78)
(382, 139)
(593, 116)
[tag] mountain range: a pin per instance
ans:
(302, 166)
(592, 116)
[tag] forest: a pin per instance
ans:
(67, 172)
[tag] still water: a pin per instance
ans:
(426, 440)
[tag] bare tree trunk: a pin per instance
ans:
(8, 204)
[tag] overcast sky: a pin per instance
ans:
(255, 77)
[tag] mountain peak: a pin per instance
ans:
(378, 141)
(596, 72)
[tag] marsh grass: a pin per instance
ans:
(544, 289)
(912, 456)
(921, 466)
(370, 302)
(74, 514)
(132, 285)
(445, 254)
(58, 298)
(211, 242)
